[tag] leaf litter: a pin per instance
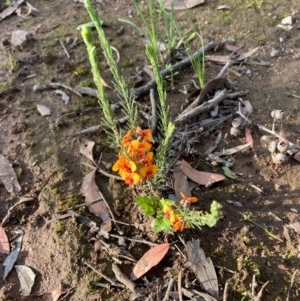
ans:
(150, 259)
(4, 243)
(8, 176)
(203, 268)
(26, 277)
(13, 256)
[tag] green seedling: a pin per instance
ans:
(247, 218)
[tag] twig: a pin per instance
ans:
(64, 48)
(110, 280)
(183, 63)
(225, 69)
(153, 112)
(111, 213)
(152, 244)
(202, 108)
(123, 278)
(225, 293)
(39, 87)
(10, 210)
(291, 286)
(293, 95)
(167, 294)
(180, 285)
(257, 297)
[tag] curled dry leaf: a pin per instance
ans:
(92, 194)
(200, 177)
(86, 148)
(26, 277)
(13, 256)
(4, 244)
(8, 176)
(150, 259)
(182, 4)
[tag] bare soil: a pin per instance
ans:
(50, 168)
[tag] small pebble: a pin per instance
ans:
(274, 52)
(287, 21)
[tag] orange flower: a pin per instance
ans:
(140, 147)
(124, 165)
(188, 199)
(132, 178)
(148, 171)
(144, 135)
(127, 138)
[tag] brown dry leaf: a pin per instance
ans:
(8, 176)
(182, 4)
(4, 243)
(200, 177)
(297, 156)
(150, 259)
(181, 184)
(53, 296)
(86, 148)
(203, 268)
(92, 194)
(218, 59)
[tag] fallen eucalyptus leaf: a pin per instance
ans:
(4, 243)
(92, 194)
(202, 267)
(200, 177)
(26, 277)
(13, 256)
(8, 176)
(43, 110)
(150, 259)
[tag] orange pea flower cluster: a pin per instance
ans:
(176, 220)
(135, 161)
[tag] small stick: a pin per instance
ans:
(10, 210)
(64, 48)
(202, 108)
(225, 69)
(166, 297)
(225, 293)
(291, 286)
(110, 280)
(39, 87)
(180, 285)
(110, 212)
(153, 112)
(152, 244)
(121, 277)
(182, 64)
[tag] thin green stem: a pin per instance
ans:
(127, 98)
(109, 118)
